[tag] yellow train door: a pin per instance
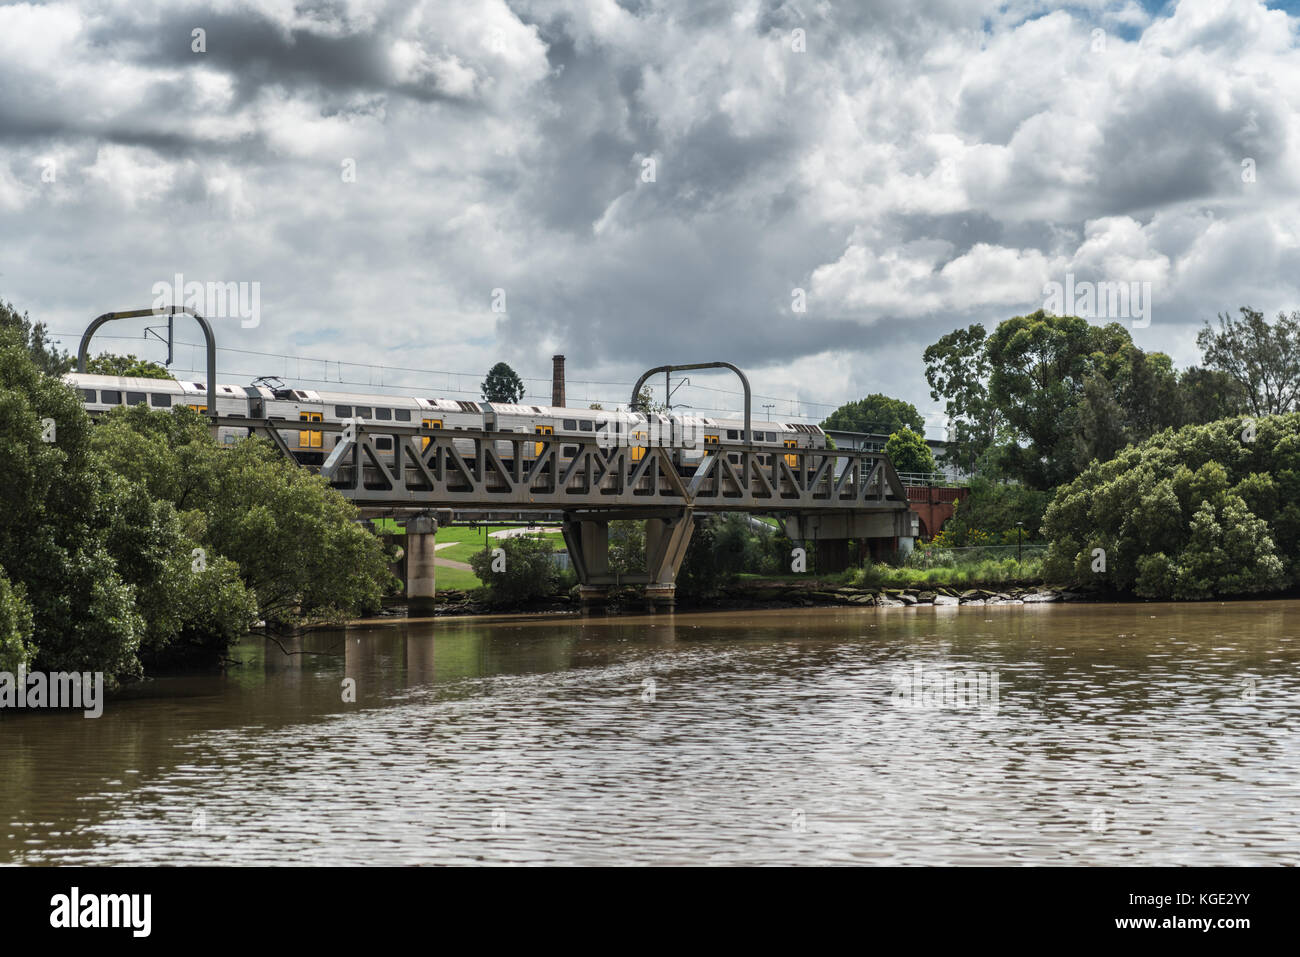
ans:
(428, 424)
(638, 446)
(309, 438)
(792, 460)
(542, 430)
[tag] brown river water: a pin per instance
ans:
(1087, 734)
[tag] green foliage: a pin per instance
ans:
(35, 339)
(957, 370)
(909, 453)
(295, 540)
(1043, 395)
(1207, 395)
(645, 402)
(699, 576)
(529, 571)
(16, 648)
(1191, 513)
(56, 511)
(626, 547)
(876, 413)
(502, 385)
(1039, 363)
(1262, 360)
(128, 365)
(991, 571)
(988, 515)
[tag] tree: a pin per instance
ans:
(1263, 360)
(909, 452)
(991, 512)
(35, 339)
(1196, 512)
(626, 547)
(877, 414)
(296, 541)
(645, 403)
(128, 365)
(16, 648)
(1205, 395)
(529, 571)
(502, 385)
(55, 513)
(957, 369)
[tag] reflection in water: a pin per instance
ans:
(1141, 733)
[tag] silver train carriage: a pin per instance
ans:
(688, 436)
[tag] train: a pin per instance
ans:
(300, 409)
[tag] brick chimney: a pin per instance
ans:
(557, 381)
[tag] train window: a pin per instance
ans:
(87, 395)
(402, 415)
(571, 425)
(584, 425)
(159, 401)
(385, 414)
(731, 433)
(343, 411)
(110, 397)
(570, 451)
(771, 436)
(600, 426)
(135, 398)
(363, 411)
(384, 443)
(735, 458)
(710, 440)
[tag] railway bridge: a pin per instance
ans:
(425, 476)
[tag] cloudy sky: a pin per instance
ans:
(640, 183)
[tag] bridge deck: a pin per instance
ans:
(514, 471)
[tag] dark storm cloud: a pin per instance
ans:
(519, 168)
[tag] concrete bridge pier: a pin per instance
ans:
(421, 534)
(666, 540)
(667, 533)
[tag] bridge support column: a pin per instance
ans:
(592, 599)
(421, 534)
(666, 540)
(587, 541)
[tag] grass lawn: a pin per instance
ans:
(468, 540)
(454, 578)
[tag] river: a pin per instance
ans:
(1088, 734)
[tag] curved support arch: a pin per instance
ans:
(744, 381)
(208, 337)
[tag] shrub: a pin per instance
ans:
(1190, 513)
(15, 627)
(529, 571)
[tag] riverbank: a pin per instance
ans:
(758, 594)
